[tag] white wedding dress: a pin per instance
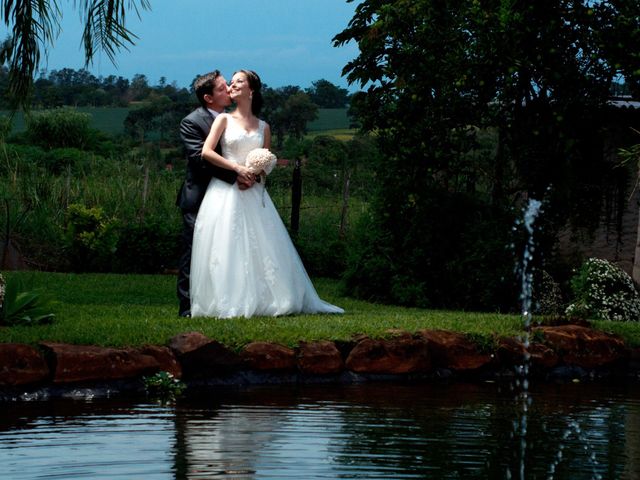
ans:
(243, 262)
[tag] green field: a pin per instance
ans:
(330, 119)
(111, 119)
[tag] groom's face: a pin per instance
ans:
(219, 99)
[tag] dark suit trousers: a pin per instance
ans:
(184, 266)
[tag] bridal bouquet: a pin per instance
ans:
(259, 160)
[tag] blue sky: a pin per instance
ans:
(288, 42)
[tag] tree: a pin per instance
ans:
(160, 115)
(35, 25)
(631, 155)
(298, 110)
(288, 110)
(139, 88)
(327, 95)
(436, 74)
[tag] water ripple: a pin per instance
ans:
(360, 432)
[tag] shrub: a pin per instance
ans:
(59, 159)
(604, 291)
(59, 128)
(149, 247)
(450, 251)
(92, 239)
(319, 244)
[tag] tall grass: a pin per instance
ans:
(133, 189)
(126, 189)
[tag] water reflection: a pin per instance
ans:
(369, 431)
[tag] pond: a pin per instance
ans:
(384, 430)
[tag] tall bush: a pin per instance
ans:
(59, 128)
(151, 246)
(92, 238)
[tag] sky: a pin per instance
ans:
(287, 42)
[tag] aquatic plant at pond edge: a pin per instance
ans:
(163, 385)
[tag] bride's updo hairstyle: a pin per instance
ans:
(256, 86)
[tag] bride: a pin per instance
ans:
(243, 261)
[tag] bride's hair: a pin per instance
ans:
(256, 86)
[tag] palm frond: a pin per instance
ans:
(35, 24)
(105, 26)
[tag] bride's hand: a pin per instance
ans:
(244, 174)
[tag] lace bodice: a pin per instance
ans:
(237, 142)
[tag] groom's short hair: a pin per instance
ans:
(204, 84)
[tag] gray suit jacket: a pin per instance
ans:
(194, 129)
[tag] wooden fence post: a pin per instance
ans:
(296, 196)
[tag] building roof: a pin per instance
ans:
(624, 102)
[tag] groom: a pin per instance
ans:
(213, 95)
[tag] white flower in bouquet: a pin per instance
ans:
(260, 160)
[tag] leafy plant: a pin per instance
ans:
(92, 238)
(604, 291)
(164, 385)
(22, 307)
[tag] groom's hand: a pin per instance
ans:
(244, 183)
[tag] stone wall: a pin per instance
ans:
(427, 355)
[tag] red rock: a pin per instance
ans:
(269, 356)
(320, 358)
(511, 352)
(582, 346)
(400, 355)
(21, 365)
(202, 357)
(187, 342)
(454, 350)
(78, 363)
(165, 358)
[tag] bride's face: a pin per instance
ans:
(239, 87)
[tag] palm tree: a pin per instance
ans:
(35, 24)
(632, 155)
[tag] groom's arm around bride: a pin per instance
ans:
(212, 92)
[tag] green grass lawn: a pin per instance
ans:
(119, 310)
(133, 310)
